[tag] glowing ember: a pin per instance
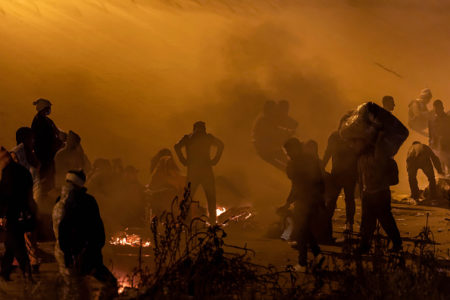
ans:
(124, 238)
(220, 210)
(123, 282)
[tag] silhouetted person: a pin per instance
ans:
(17, 211)
(71, 157)
(388, 103)
(439, 132)
(265, 135)
(421, 157)
(376, 173)
(285, 122)
(47, 143)
(80, 236)
(344, 175)
(199, 163)
(304, 171)
(165, 173)
(166, 181)
(419, 114)
(23, 154)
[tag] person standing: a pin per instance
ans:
(377, 171)
(439, 132)
(307, 189)
(47, 144)
(199, 163)
(17, 213)
(419, 115)
(23, 154)
(344, 175)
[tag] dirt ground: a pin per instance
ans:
(410, 219)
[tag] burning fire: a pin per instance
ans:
(220, 210)
(123, 238)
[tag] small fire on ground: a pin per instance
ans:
(220, 210)
(131, 238)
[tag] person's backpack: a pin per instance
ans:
(392, 172)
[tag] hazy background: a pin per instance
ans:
(132, 76)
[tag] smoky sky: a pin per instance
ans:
(132, 76)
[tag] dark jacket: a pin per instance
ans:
(16, 197)
(344, 158)
(81, 231)
(46, 135)
(307, 179)
(421, 156)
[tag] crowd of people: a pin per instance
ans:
(47, 159)
(361, 150)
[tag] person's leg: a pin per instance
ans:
(209, 186)
(413, 184)
(21, 253)
(368, 221)
(32, 248)
(194, 183)
(429, 172)
(350, 207)
(333, 191)
(387, 220)
(301, 233)
(8, 256)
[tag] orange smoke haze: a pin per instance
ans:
(132, 76)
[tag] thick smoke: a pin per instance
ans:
(132, 76)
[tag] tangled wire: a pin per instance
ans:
(193, 261)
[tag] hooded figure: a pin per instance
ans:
(80, 235)
(47, 143)
(71, 157)
(418, 111)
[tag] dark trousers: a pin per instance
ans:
(15, 247)
(303, 217)
(377, 206)
(205, 178)
(348, 183)
(412, 177)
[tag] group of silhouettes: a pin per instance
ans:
(357, 165)
(46, 159)
(48, 164)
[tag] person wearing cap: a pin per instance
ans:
(17, 213)
(71, 157)
(80, 237)
(439, 133)
(47, 144)
(200, 164)
(419, 115)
